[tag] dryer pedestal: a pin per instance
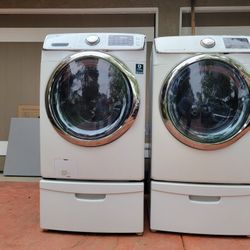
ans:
(88, 206)
(200, 208)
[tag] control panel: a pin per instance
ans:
(90, 41)
(203, 44)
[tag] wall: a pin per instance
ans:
(19, 78)
(20, 62)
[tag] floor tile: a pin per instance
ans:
(19, 228)
(192, 242)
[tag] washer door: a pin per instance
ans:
(205, 102)
(92, 98)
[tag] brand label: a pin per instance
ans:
(139, 68)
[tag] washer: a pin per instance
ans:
(92, 132)
(200, 178)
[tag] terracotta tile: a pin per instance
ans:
(19, 228)
(192, 242)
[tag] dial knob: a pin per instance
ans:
(92, 40)
(208, 43)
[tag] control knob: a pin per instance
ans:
(92, 40)
(208, 43)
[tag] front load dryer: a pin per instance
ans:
(92, 132)
(200, 178)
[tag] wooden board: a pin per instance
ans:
(28, 111)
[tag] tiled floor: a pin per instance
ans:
(19, 229)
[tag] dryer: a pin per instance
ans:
(92, 132)
(200, 178)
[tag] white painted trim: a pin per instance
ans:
(38, 34)
(216, 9)
(46, 11)
(156, 22)
(217, 30)
(3, 148)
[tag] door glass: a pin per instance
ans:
(90, 98)
(207, 101)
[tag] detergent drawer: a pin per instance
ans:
(103, 207)
(201, 209)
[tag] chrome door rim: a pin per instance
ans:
(169, 124)
(130, 117)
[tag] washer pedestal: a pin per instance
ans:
(88, 206)
(200, 208)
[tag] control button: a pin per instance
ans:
(208, 43)
(92, 40)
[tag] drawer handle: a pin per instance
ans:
(92, 197)
(200, 198)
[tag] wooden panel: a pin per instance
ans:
(28, 111)
(2, 159)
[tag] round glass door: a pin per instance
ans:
(92, 98)
(205, 102)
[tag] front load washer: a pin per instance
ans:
(200, 178)
(92, 132)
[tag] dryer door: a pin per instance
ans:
(92, 98)
(205, 102)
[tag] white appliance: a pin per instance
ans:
(200, 178)
(92, 132)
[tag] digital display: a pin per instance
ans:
(120, 40)
(236, 43)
